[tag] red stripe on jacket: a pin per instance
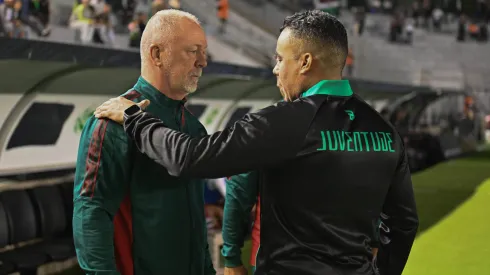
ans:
(255, 235)
(123, 227)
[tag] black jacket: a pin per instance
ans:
(329, 165)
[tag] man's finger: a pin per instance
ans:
(100, 109)
(143, 104)
(103, 114)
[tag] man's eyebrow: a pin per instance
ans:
(276, 55)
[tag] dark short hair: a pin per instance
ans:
(322, 30)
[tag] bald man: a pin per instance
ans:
(130, 216)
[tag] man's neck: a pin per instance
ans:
(163, 87)
(312, 81)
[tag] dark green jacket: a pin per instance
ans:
(241, 195)
(130, 216)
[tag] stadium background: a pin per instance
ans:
(426, 80)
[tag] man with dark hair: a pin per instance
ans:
(328, 164)
(313, 35)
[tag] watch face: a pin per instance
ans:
(132, 110)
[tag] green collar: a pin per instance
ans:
(154, 95)
(330, 87)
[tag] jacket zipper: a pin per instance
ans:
(182, 128)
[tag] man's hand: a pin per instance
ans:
(215, 213)
(239, 270)
(114, 108)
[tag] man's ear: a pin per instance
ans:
(306, 60)
(155, 55)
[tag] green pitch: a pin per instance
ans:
(454, 207)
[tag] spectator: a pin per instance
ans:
(157, 6)
(174, 4)
(461, 28)
(104, 31)
(222, 8)
(10, 14)
(482, 10)
(360, 20)
(349, 63)
(416, 13)
(136, 28)
(427, 12)
(474, 30)
(98, 5)
(40, 10)
(81, 21)
(16, 16)
(396, 28)
(409, 26)
(128, 11)
(483, 32)
(437, 16)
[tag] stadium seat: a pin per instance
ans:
(51, 222)
(4, 230)
(22, 227)
(5, 267)
(67, 193)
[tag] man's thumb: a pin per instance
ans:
(143, 104)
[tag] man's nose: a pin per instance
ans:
(275, 70)
(202, 60)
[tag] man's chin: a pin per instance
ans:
(284, 96)
(191, 89)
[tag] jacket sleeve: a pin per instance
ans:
(400, 207)
(101, 181)
(258, 140)
(241, 195)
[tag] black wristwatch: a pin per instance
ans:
(131, 111)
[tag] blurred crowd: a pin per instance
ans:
(137, 26)
(436, 15)
(17, 16)
(93, 21)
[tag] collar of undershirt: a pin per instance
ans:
(330, 87)
(154, 95)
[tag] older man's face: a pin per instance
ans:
(186, 57)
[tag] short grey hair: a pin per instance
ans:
(159, 28)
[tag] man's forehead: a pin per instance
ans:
(193, 36)
(194, 40)
(285, 42)
(284, 37)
